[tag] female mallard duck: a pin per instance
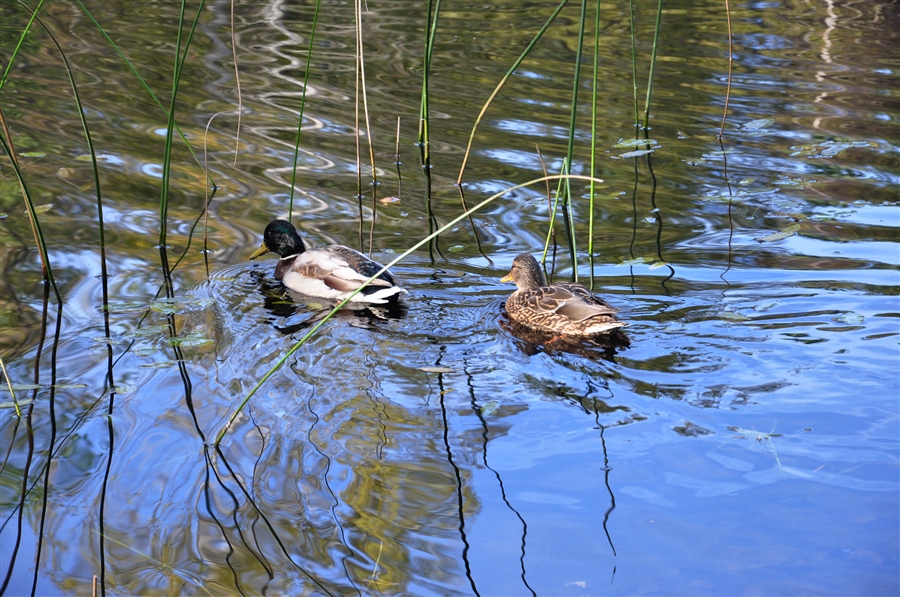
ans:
(331, 272)
(565, 309)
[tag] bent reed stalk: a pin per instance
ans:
(180, 59)
(384, 268)
(502, 82)
(312, 37)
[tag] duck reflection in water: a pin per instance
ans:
(298, 312)
(531, 342)
(560, 316)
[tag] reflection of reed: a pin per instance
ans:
(730, 220)
(284, 550)
(460, 505)
(335, 500)
(111, 435)
(612, 497)
(659, 224)
(606, 468)
(29, 456)
(477, 409)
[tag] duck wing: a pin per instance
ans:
(339, 268)
(362, 265)
(573, 301)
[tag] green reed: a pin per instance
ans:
(180, 58)
(434, 10)
(593, 169)
(503, 81)
(312, 37)
(12, 58)
(652, 68)
(566, 205)
(95, 170)
(144, 84)
(47, 270)
(634, 83)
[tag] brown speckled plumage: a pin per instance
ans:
(565, 309)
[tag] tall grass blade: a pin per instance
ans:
(424, 140)
(434, 9)
(312, 37)
(180, 59)
(143, 83)
(237, 82)
(278, 364)
(730, 71)
(397, 163)
(104, 276)
(567, 206)
(356, 129)
(593, 170)
(634, 85)
(15, 400)
(47, 270)
(502, 82)
(551, 232)
(12, 58)
(652, 69)
(462, 199)
(549, 215)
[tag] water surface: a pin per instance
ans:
(746, 442)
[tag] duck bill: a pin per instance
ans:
(262, 250)
(506, 278)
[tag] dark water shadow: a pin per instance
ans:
(596, 348)
(298, 311)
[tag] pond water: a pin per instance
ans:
(746, 442)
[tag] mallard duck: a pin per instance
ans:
(331, 272)
(564, 309)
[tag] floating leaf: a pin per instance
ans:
(789, 231)
(456, 248)
(790, 182)
(12, 404)
(635, 142)
(150, 330)
(489, 407)
(20, 387)
(635, 261)
(758, 124)
(732, 316)
(126, 306)
(826, 149)
(159, 365)
(176, 305)
(32, 154)
(195, 339)
(42, 209)
(430, 369)
(849, 318)
(632, 154)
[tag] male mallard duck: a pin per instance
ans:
(565, 309)
(331, 272)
